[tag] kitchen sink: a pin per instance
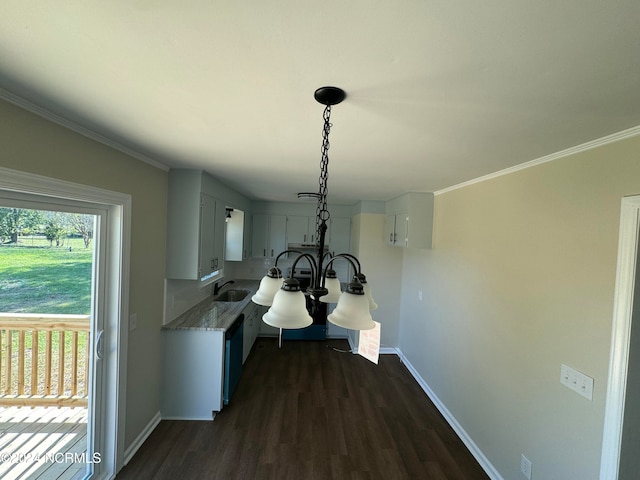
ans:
(232, 295)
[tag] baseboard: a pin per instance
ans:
(388, 351)
(140, 439)
(464, 436)
(383, 350)
(210, 418)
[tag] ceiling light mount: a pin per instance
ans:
(329, 95)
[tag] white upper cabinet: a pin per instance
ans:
(208, 260)
(195, 229)
(397, 229)
(409, 221)
(301, 230)
(268, 235)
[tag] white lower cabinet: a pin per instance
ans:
(193, 364)
(252, 320)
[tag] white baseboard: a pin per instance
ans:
(140, 439)
(209, 418)
(464, 436)
(388, 351)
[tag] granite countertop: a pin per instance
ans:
(211, 314)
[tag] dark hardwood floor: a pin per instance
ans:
(310, 411)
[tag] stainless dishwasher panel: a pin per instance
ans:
(232, 358)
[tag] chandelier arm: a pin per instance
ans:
(327, 254)
(284, 253)
(350, 258)
(358, 270)
(310, 259)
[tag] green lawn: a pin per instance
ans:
(36, 278)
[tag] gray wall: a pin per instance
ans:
(35, 145)
(520, 280)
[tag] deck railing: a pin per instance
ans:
(44, 359)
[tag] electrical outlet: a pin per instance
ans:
(576, 381)
(526, 466)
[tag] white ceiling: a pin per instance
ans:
(439, 92)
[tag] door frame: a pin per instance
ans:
(116, 306)
(620, 336)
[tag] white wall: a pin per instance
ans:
(382, 266)
(520, 280)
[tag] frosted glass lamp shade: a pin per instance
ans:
(352, 311)
(367, 291)
(333, 285)
(269, 286)
(289, 310)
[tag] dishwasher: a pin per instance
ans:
(232, 357)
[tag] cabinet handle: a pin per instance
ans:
(272, 252)
(311, 238)
(304, 238)
(391, 238)
(264, 252)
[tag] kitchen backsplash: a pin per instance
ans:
(181, 295)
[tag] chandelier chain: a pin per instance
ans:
(322, 211)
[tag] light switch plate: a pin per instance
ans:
(576, 381)
(133, 322)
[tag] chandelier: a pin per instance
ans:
(288, 307)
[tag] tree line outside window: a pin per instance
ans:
(55, 226)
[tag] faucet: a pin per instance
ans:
(216, 288)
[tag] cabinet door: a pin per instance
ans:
(193, 367)
(402, 229)
(218, 239)
(277, 235)
(298, 229)
(390, 229)
(184, 215)
(207, 235)
(247, 342)
(259, 235)
(248, 229)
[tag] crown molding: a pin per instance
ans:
(57, 119)
(614, 137)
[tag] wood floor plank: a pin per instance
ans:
(310, 410)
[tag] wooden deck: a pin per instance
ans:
(40, 442)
